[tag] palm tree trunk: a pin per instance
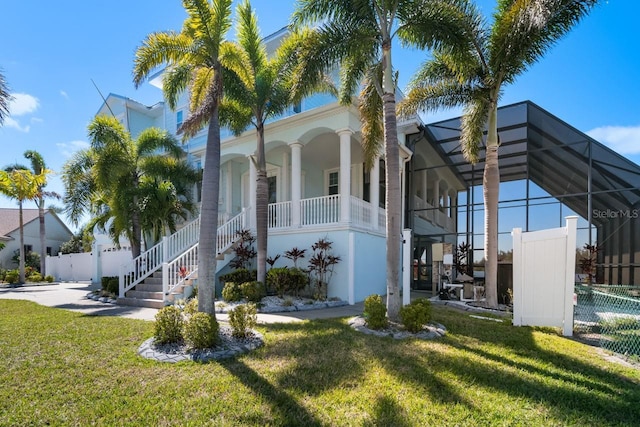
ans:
(22, 254)
(43, 234)
(209, 215)
(262, 206)
(491, 186)
(393, 198)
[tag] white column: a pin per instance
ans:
(296, 182)
(345, 174)
(374, 192)
(229, 189)
(445, 199)
(424, 185)
(253, 176)
(284, 194)
(436, 193)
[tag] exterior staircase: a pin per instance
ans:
(148, 293)
(168, 271)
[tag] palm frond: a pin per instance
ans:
(249, 36)
(524, 31)
(5, 98)
(175, 81)
(371, 116)
(473, 124)
(151, 140)
(159, 49)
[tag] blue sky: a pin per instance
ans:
(52, 50)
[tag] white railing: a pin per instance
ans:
(182, 239)
(320, 210)
(180, 271)
(227, 233)
(185, 266)
(279, 215)
(360, 212)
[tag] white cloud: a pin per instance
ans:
(12, 123)
(23, 103)
(622, 139)
(68, 149)
(64, 94)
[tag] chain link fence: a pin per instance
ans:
(609, 316)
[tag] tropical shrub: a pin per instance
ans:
(240, 275)
(49, 278)
(12, 276)
(35, 277)
(200, 331)
(375, 312)
(285, 280)
(31, 260)
(232, 292)
(191, 307)
(415, 315)
(110, 284)
(242, 319)
(168, 325)
(253, 291)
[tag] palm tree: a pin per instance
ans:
(21, 184)
(193, 60)
(5, 97)
(37, 166)
(474, 77)
(357, 37)
(256, 89)
(118, 179)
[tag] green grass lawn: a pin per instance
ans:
(63, 368)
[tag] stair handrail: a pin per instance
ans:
(227, 235)
(141, 267)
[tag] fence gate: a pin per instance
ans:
(544, 276)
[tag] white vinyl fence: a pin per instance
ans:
(544, 276)
(103, 260)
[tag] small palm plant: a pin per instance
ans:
(321, 266)
(294, 254)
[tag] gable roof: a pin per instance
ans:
(10, 219)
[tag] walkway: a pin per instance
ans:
(71, 296)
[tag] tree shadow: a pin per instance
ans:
(388, 413)
(286, 409)
(601, 396)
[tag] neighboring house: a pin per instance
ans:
(319, 188)
(57, 233)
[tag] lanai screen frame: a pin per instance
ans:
(590, 179)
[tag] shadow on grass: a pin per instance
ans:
(329, 354)
(287, 410)
(564, 383)
(388, 413)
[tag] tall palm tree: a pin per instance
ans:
(37, 166)
(111, 180)
(192, 58)
(20, 184)
(474, 77)
(5, 97)
(256, 89)
(357, 36)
